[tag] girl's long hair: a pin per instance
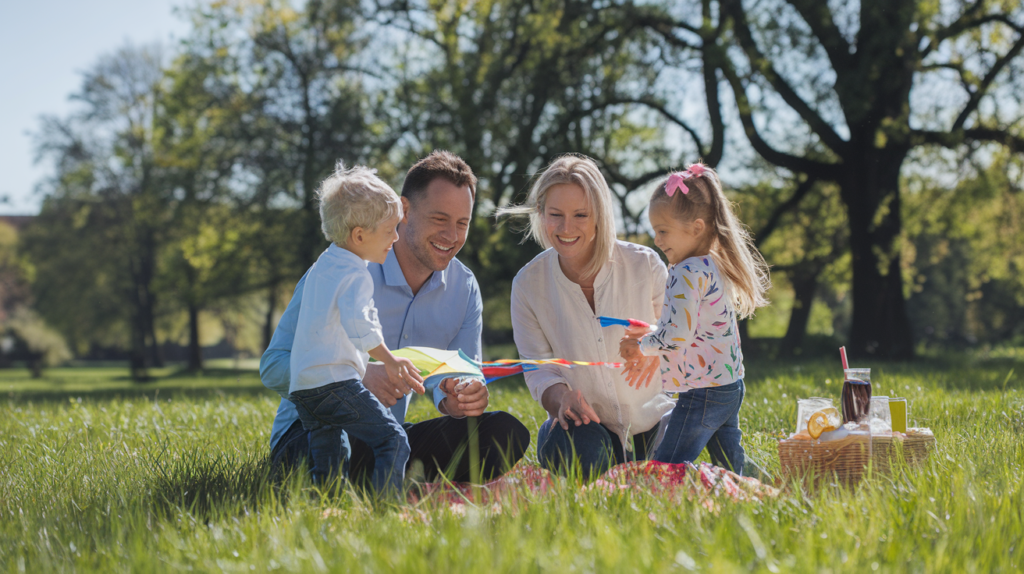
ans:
(727, 239)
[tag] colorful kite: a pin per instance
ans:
(435, 365)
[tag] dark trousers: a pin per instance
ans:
(596, 449)
(439, 444)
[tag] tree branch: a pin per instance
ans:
(954, 139)
(819, 17)
(761, 64)
(796, 164)
(782, 209)
(982, 87)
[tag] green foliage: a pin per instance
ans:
(967, 264)
(101, 475)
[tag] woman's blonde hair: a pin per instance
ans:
(727, 239)
(352, 198)
(578, 170)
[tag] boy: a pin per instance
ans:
(337, 331)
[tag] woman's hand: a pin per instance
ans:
(575, 408)
(566, 405)
(641, 372)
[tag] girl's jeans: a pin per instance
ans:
(706, 417)
(347, 406)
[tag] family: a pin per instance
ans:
(390, 279)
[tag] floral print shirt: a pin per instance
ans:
(696, 337)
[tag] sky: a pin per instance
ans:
(45, 45)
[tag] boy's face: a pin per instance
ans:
(377, 243)
(435, 226)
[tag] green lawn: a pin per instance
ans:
(100, 474)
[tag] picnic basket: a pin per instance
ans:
(846, 459)
(918, 445)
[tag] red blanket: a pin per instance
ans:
(704, 482)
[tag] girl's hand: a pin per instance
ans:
(402, 371)
(575, 408)
(635, 332)
(641, 372)
(629, 350)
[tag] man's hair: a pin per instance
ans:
(352, 198)
(439, 164)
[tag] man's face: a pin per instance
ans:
(436, 222)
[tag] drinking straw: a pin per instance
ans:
(842, 353)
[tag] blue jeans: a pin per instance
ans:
(706, 417)
(347, 406)
(596, 448)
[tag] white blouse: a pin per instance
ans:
(552, 319)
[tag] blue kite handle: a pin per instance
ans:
(609, 321)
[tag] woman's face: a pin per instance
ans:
(570, 223)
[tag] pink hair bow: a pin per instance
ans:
(676, 181)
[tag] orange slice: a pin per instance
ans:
(822, 421)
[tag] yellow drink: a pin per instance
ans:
(898, 410)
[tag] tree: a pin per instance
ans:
(105, 202)
(844, 74)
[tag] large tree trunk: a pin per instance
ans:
(881, 326)
(804, 286)
(138, 356)
(195, 351)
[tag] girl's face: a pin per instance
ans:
(677, 240)
(569, 222)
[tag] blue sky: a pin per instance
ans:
(45, 45)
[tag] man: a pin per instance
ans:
(424, 297)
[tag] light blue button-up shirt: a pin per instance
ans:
(445, 314)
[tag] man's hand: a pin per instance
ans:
(377, 382)
(470, 401)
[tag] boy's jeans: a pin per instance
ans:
(706, 417)
(347, 406)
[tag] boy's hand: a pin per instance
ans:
(401, 370)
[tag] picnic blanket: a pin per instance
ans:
(704, 482)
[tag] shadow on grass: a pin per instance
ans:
(210, 488)
(61, 395)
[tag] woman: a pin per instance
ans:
(595, 418)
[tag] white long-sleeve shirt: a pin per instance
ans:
(697, 338)
(337, 322)
(552, 319)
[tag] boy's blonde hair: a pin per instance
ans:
(352, 198)
(580, 170)
(727, 239)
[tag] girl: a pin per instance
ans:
(715, 273)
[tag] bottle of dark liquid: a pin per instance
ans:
(856, 394)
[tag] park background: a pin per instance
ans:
(874, 149)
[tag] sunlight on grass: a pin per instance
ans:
(100, 474)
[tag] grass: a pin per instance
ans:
(100, 474)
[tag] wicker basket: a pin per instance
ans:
(918, 445)
(846, 460)
(885, 452)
